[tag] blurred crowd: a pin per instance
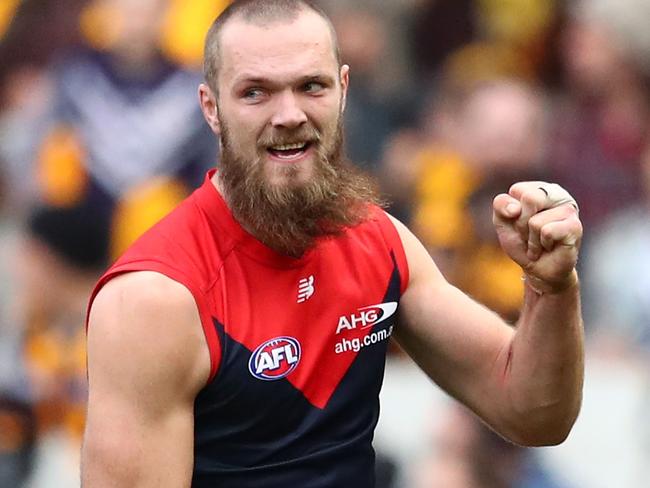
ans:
(451, 101)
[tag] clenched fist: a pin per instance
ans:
(538, 227)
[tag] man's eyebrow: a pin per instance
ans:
(253, 79)
(321, 77)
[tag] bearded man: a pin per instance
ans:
(241, 341)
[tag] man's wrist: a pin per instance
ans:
(543, 287)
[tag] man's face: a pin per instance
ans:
(280, 97)
(278, 107)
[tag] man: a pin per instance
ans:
(241, 341)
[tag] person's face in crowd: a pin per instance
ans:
(500, 127)
(138, 27)
(593, 58)
(280, 98)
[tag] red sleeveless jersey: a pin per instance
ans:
(297, 346)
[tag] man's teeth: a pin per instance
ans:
(289, 147)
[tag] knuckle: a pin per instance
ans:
(521, 226)
(565, 210)
(546, 233)
(575, 226)
(536, 223)
(534, 246)
(531, 198)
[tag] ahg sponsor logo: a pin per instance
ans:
(358, 343)
(275, 358)
(366, 316)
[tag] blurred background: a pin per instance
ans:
(450, 102)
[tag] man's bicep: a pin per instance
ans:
(142, 383)
(455, 340)
(123, 447)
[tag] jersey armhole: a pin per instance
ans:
(394, 241)
(212, 340)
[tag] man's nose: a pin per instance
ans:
(288, 113)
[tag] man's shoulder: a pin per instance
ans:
(144, 291)
(144, 305)
(373, 215)
(379, 236)
(379, 222)
(139, 318)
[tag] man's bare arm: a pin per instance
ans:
(525, 383)
(147, 359)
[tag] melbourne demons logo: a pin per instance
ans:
(275, 358)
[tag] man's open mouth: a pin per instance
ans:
(289, 151)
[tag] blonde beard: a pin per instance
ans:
(290, 218)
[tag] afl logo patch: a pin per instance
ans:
(275, 358)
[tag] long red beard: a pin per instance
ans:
(290, 218)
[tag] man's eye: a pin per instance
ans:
(313, 87)
(253, 94)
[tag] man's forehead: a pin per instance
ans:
(245, 41)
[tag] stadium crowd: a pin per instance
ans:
(450, 102)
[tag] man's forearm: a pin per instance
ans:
(545, 370)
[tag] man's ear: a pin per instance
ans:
(208, 102)
(345, 82)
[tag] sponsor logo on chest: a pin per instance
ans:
(366, 317)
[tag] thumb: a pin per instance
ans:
(506, 210)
